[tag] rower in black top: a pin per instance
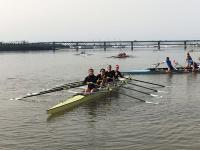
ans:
(117, 72)
(110, 74)
(195, 66)
(101, 78)
(90, 80)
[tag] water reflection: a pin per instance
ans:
(99, 105)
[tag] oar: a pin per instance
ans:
(137, 98)
(144, 87)
(176, 63)
(153, 95)
(60, 88)
(158, 64)
(131, 96)
(148, 82)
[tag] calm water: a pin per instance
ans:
(117, 122)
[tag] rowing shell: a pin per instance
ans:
(81, 98)
(180, 70)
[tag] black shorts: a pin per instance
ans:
(110, 80)
(171, 68)
(91, 86)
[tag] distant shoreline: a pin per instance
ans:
(24, 46)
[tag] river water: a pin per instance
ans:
(116, 122)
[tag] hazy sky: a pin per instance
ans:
(71, 20)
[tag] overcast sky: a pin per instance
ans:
(72, 20)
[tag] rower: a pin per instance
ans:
(189, 61)
(195, 66)
(90, 80)
(110, 74)
(101, 78)
(117, 72)
(169, 64)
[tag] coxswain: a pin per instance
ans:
(110, 74)
(117, 72)
(101, 78)
(90, 80)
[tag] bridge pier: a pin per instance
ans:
(77, 48)
(104, 46)
(53, 46)
(158, 45)
(132, 46)
(185, 45)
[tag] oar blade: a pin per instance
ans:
(149, 102)
(157, 96)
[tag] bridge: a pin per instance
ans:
(97, 45)
(125, 44)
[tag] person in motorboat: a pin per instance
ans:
(110, 74)
(83, 52)
(122, 55)
(117, 73)
(90, 80)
